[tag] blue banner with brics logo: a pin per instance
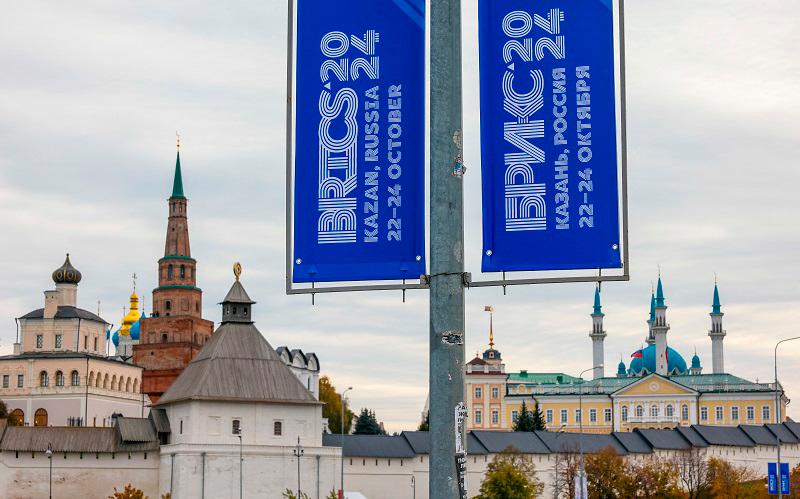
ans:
(549, 166)
(360, 140)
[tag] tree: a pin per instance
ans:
(692, 468)
(425, 425)
(289, 494)
(3, 410)
(367, 424)
(129, 492)
(728, 481)
(607, 475)
(655, 478)
(525, 420)
(538, 419)
(333, 407)
(566, 471)
(510, 475)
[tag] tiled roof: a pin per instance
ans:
(664, 439)
(79, 439)
(724, 435)
(633, 442)
(572, 442)
(760, 435)
(541, 378)
(66, 312)
(498, 441)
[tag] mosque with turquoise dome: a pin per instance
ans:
(656, 389)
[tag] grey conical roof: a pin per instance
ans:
(238, 364)
(237, 294)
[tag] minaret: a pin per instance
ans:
(597, 335)
(651, 320)
(660, 329)
(717, 334)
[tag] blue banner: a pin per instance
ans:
(360, 140)
(548, 135)
(772, 478)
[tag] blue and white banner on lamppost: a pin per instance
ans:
(359, 164)
(772, 478)
(550, 141)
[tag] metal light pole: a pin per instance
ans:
(341, 441)
(580, 431)
(778, 413)
(446, 379)
(413, 487)
(238, 432)
(49, 453)
(298, 452)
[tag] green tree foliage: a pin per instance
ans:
(525, 420)
(3, 410)
(728, 481)
(425, 425)
(289, 494)
(655, 478)
(333, 407)
(538, 419)
(510, 475)
(367, 424)
(609, 475)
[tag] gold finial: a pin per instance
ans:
(237, 270)
(490, 309)
(715, 278)
(178, 139)
(134, 282)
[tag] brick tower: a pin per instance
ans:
(175, 330)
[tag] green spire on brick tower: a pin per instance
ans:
(177, 183)
(659, 294)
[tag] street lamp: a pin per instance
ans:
(49, 453)
(582, 492)
(298, 452)
(237, 430)
(778, 413)
(341, 441)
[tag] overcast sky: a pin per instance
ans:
(92, 92)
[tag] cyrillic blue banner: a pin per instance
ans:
(548, 135)
(772, 478)
(360, 140)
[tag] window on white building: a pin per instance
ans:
(478, 417)
(592, 415)
(495, 392)
(39, 341)
(236, 426)
(495, 417)
(670, 411)
(20, 380)
(718, 413)
(624, 412)
(563, 416)
(654, 411)
(59, 378)
(751, 413)
(44, 379)
(704, 414)
(514, 416)
(577, 415)
(734, 413)
(765, 413)
(549, 416)
(277, 428)
(58, 341)
(478, 392)
(607, 415)
(685, 412)
(5, 380)
(639, 411)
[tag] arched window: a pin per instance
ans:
(170, 272)
(16, 418)
(114, 382)
(639, 411)
(91, 378)
(44, 379)
(670, 411)
(40, 417)
(128, 385)
(105, 381)
(59, 378)
(685, 412)
(624, 412)
(136, 386)
(168, 305)
(98, 380)
(654, 411)
(164, 337)
(183, 271)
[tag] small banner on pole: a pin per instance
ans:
(772, 478)
(461, 449)
(359, 165)
(549, 159)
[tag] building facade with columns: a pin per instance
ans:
(657, 389)
(59, 374)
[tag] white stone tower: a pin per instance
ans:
(717, 334)
(597, 335)
(660, 329)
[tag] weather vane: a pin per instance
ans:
(237, 270)
(134, 282)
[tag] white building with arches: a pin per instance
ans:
(59, 374)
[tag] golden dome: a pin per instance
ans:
(131, 317)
